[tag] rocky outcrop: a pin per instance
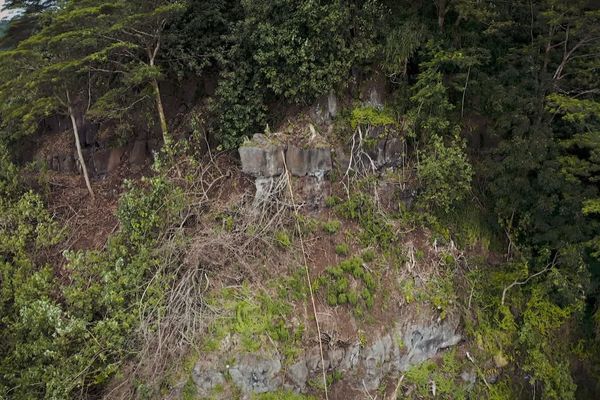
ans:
(389, 149)
(410, 342)
(262, 157)
(266, 157)
(315, 161)
(325, 109)
(101, 162)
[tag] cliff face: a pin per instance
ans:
(382, 286)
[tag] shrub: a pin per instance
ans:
(348, 283)
(342, 249)
(445, 175)
(332, 227)
(375, 229)
(283, 239)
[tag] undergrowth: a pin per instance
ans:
(348, 283)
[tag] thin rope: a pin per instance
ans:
(310, 289)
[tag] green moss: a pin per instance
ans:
(376, 230)
(332, 201)
(368, 256)
(257, 318)
(189, 391)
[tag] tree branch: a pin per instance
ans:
(517, 283)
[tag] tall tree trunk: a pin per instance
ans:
(168, 140)
(78, 146)
(161, 115)
(442, 10)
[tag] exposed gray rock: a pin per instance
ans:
(256, 374)
(139, 153)
(206, 376)
(101, 159)
(298, 375)
(373, 92)
(313, 191)
(469, 376)
(409, 343)
(314, 161)
(325, 109)
(375, 361)
(394, 152)
(261, 158)
(351, 358)
(390, 148)
(115, 158)
(332, 104)
(424, 341)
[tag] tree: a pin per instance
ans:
(26, 18)
(47, 74)
(136, 35)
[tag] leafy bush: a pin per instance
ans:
(371, 116)
(70, 335)
(290, 51)
(445, 175)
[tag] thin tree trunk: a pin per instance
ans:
(168, 140)
(79, 152)
(161, 115)
(442, 10)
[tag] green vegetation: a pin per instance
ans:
(332, 227)
(282, 396)
(259, 319)
(372, 117)
(342, 249)
(445, 377)
(499, 106)
(55, 331)
(283, 239)
(350, 282)
(376, 230)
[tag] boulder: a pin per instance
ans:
(101, 160)
(114, 159)
(313, 161)
(139, 153)
(206, 376)
(298, 375)
(423, 341)
(256, 374)
(325, 109)
(262, 158)
(373, 91)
